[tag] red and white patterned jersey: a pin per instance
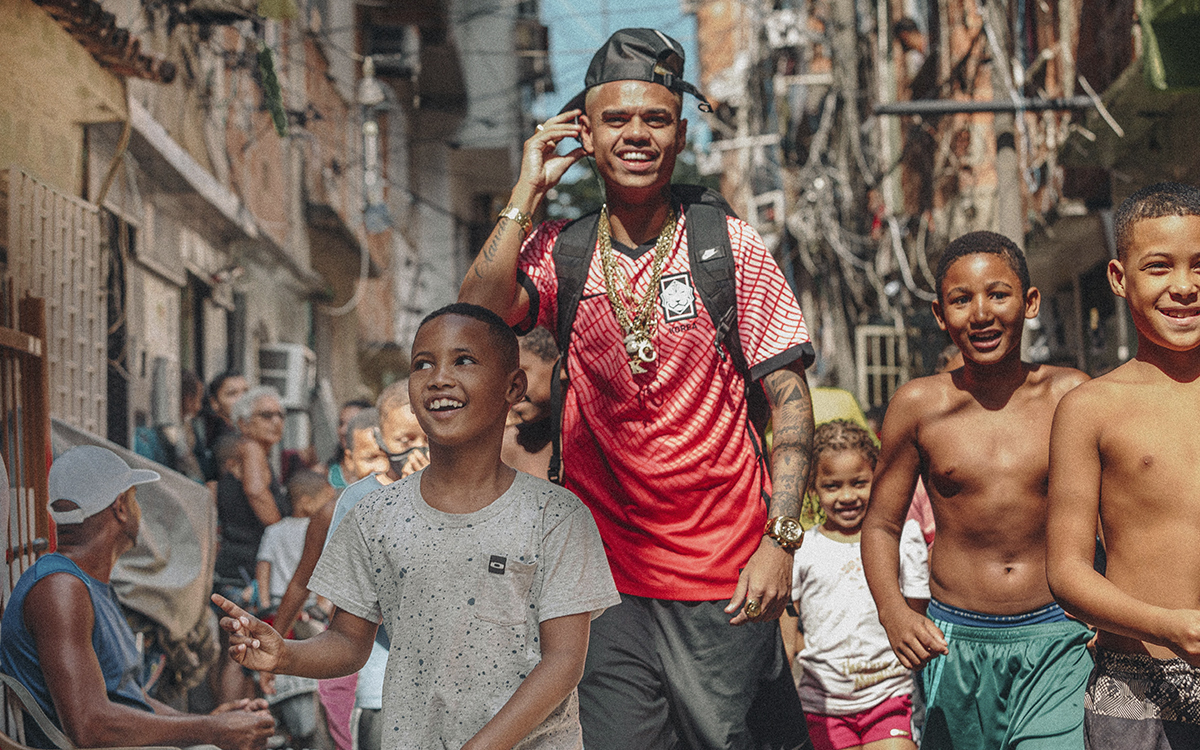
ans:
(666, 460)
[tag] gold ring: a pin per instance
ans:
(752, 609)
(540, 127)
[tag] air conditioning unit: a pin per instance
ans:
(289, 369)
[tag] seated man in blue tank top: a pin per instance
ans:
(65, 638)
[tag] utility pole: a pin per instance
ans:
(885, 77)
(1010, 201)
(844, 53)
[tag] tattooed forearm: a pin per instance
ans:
(493, 246)
(783, 389)
(792, 430)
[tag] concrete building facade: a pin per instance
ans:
(215, 237)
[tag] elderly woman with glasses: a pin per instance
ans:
(249, 495)
(249, 499)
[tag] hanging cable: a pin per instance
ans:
(902, 259)
(364, 268)
(119, 154)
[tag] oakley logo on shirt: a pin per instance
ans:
(497, 564)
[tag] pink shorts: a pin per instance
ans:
(891, 719)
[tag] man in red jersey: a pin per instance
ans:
(656, 437)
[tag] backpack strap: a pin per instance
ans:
(573, 250)
(710, 257)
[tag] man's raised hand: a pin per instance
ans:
(252, 643)
(542, 166)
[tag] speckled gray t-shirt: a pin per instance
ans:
(462, 596)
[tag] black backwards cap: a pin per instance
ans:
(633, 55)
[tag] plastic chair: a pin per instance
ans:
(26, 701)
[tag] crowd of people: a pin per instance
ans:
(434, 589)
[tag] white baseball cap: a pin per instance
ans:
(91, 477)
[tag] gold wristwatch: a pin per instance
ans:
(786, 532)
(514, 214)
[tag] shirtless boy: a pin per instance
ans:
(1012, 667)
(1125, 447)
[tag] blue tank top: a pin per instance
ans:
(112, 640)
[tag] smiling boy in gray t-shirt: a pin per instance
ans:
(486, 578)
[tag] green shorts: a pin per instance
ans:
(1014, 688)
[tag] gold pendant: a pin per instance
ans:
(646, 351)
(638, 346)
(636, 368)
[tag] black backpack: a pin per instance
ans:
(713, 277)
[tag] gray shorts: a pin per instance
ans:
(1137, 702)
(662, 675)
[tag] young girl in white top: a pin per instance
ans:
(854, 692)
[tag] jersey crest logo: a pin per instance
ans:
(677, 297)
(497, 564)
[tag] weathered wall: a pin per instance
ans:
(50, 88)
(333, 174)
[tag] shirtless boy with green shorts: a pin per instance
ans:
(1125, 447)
(1012, 667)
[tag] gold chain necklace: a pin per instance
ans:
(637, 320)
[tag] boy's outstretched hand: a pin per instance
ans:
(252, 643)
(914, 638)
